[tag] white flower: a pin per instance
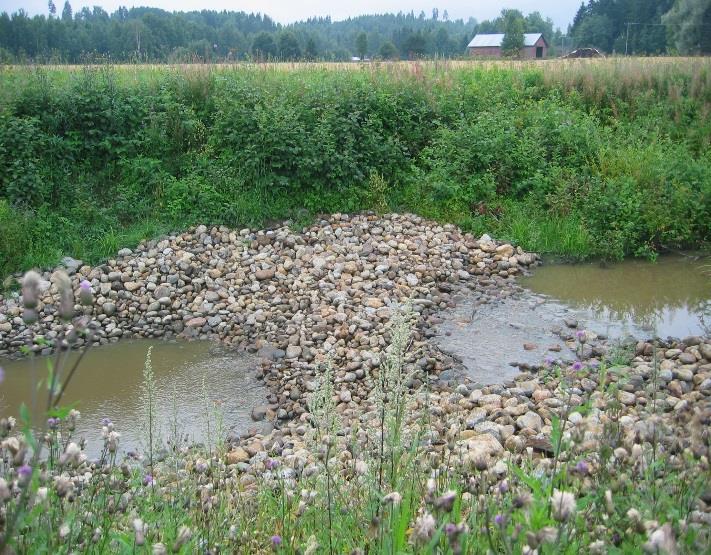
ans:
(393, 497)
(662, 541)
(563, 505)
(424, 528)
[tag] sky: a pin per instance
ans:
(287, 11)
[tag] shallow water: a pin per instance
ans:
(194, 379)
(670, 297)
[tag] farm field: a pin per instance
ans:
(579, 158)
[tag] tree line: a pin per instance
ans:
(644, 27)
(155, 35)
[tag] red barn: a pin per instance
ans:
(489, 46)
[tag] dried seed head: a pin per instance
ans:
(563, 505)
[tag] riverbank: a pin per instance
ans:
(379, 442)
(567, 158)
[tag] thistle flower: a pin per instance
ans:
(276, 541)
(53, 423)
(563, 505)
(271, 464)
(66, 294)
(25, 471)
(500, 520)
(30, 290)
(86, 294)
(581, 336)
(139, 530)
(394, 498)
(582, 467)
(503, 487)
(4, 491)
(12, 444)
(148, 480)
(522, 500)
(662, 541)
(548, 361)
(71, 454)
(159, 549)
(63, 486)
(446, 501)
(609, 505)
(577, 366)
(184, 535)
(423, 528)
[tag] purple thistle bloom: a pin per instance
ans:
(577, 365)
(276, 540)
(148, 480)
(581, 335)
(548, 361)
(450, 528)
(499, 520)
(582, 467)
(105, 421)
(271, 464)
(25, 471)
(85, 285)
(503, 487)
(52, 423)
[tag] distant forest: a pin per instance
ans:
(643, 27)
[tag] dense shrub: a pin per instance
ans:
(108, 152)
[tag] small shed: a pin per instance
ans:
(489, 46)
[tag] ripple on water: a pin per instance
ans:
(194, 380)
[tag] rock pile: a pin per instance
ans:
(294, 298)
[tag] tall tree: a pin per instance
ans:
(264, 47)
(514, 26)
(51, 8)
(689, 26)
(361, 45)
(288, 46)
(388, 51)
(67, 11)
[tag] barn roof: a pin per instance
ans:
(487, 41)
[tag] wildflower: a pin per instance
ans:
(25, 471)
(139, 530)
(64, 531)
(106, 422)
(271, 464)
(503, 487)
(66, 294)
(30, 290)
(41, 495)
(609, 505)
(548, 534)
(276, 541)
(634, 516)
(597, 548)
(201, 466)
(86, 294)
(522, 500)
(577, 366)
(581, 336)
(661, 541)
(311, 546)
(446, 500)
(12, 444)
(159, 549)
(450, 528)
(71, 454)
(63, 486)
(361, 467)
(4, 491)
(548, 361)
(393, 498)
(423, 528)
(500, 520)
(184, 535)
(74, 416)
(582, 467)
(53, 423)
(148, 480)
(563, 505)
(112, 441)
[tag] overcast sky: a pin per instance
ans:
(287, 11)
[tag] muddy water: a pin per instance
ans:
(671, 297)
(193, 380)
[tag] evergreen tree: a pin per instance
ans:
(361, 45)
(388, 51)
(51, 8)
(689, 23)
(263, 46)
(67, 11)
(288, 46)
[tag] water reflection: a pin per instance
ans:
(671, 297)
(194, 380)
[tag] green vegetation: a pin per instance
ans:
(602, 159)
